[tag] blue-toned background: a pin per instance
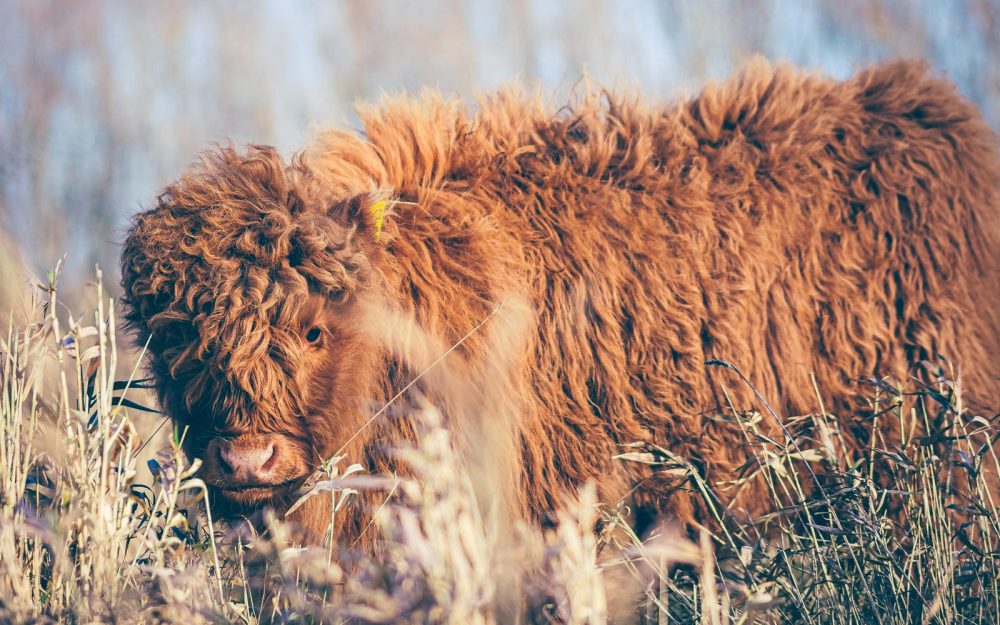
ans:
(102, 102)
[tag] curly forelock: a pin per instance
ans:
(225, 260)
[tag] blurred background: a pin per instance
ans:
(103, 102)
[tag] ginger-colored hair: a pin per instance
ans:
(792, 225)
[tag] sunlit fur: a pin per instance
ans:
(787, 223)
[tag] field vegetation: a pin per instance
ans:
(906, 532)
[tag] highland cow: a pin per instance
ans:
(811, 232)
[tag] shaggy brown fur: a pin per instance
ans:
(787, 223)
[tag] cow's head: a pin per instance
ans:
(247, 297)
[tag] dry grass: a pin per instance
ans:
(905, 533)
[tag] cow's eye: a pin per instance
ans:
(314, 335)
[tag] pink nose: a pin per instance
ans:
(244, 462)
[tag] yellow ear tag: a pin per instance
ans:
(378, 216)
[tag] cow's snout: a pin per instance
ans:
(247, 461)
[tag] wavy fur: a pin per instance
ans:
(784, 222)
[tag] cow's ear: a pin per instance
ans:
(368, 213)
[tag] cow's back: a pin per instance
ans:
(799, 228)
(811, 233)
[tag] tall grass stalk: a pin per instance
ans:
(902, 531)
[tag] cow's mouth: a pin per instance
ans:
(255, 495)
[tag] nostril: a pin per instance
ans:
(223, 464)
(269, 455)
